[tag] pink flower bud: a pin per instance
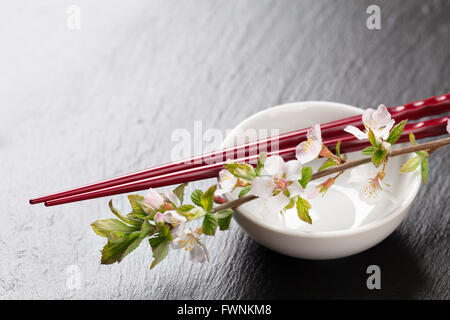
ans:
(159, 218)
(327, 184)
(325, 153)
(167, 206)
(219, 200)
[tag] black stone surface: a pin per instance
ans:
(82, 105)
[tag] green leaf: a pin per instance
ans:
(396, 132)
(140, 208)
(135, 202)
(191, 212)
(194, 213)
(160, 252)
(209, 224)
(224, 219)
(412, 164)
(291, 204)
(412, 139)
(303, 207)
(327, 164)
(164, 231)
(368, 151)
(117, 250)
(185, 208)
(307, 173)
(261, 159)
(378, 157)
(179, 191)
(196, 196)
(423, 154)
(113, 229)
(244, 191)
(163, 234)
(424, 170)
(147, 229)
(155, 241)
(338, 149)
(207, 198)
(241, 170)
(372, 139)
(129, 220)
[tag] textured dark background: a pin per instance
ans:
(82, 105)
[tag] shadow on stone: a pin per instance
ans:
(283, 277)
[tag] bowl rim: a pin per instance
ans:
(395, 212)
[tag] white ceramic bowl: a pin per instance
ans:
(342, 224)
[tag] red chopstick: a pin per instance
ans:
(412, 111)
(429, 128)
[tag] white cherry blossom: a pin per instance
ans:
(277, 183)
(191, 241)
(370, 183)
(309, 150)
(154, 199)
(172, 217)
(176, 220)
(227, 182)
(379, 121)
(173, 198)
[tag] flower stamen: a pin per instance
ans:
(307, 145)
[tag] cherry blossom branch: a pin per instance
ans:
(427, 146)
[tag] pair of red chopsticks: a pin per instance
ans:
(197, 168)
